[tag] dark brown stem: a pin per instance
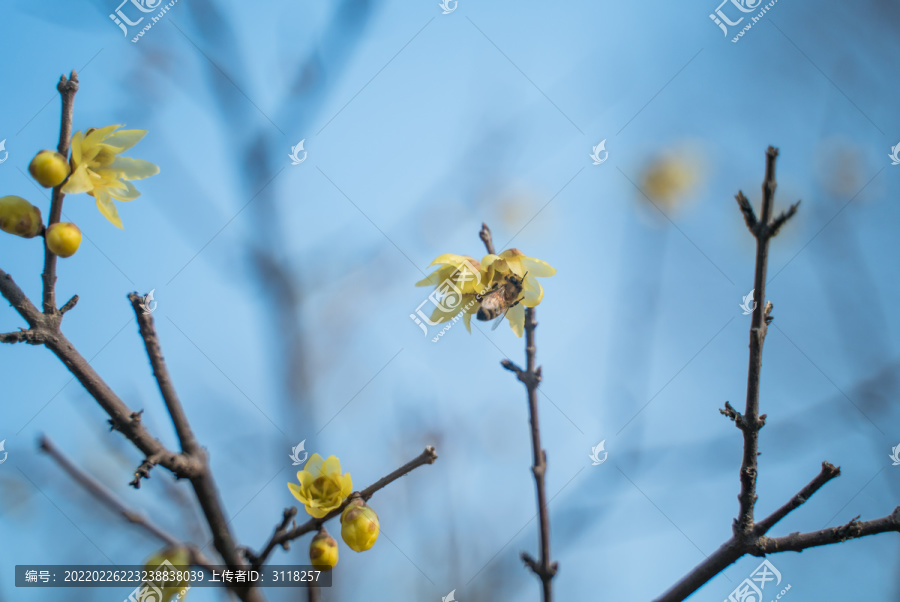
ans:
(750, 537)
(282, 536)
(544, 568)
(827, 473)
(486, 238)
(161, 374)
(67, 89)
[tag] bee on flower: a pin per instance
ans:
(503, 286)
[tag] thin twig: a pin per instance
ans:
(281, 535)
(544, 568)
(67, 89)
(750, 537)
(161, 374)
(109, 499)
(486, 238)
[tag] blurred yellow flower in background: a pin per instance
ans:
(99, 169)
(322, 486)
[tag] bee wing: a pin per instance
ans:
(498, 320)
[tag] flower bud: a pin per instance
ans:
(172, 566)
(323, 551)
(359, 526)
(63, 238)
(19, 217)
(49, 168)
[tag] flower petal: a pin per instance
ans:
(134, 169)
(107, 207)
(537, 267)
(331, 465)
(297, 492)
(79, 181)
(346, 486)
(532, 292)
(77, 139)
(516, 317)
(314, 465)
(124, 139)
(124, 192)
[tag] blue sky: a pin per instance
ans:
(420, 126)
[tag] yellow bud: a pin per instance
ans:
(359, 526)
(49, 168)
(323, 551)
(169, 562)
(63, 238)
(19, 217)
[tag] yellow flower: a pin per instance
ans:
(457, 281)
(359, 526)
(99, 169)
(322, 486)
(495, 269)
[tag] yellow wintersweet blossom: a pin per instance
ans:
(457, 282)
(495, 269)
(99, 169)
(322, 485)
(460, 280)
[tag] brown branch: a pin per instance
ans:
(486, 238)
(282, 536)
(749, 537)
(67, 89)
(109, 499)
(828, 472)
(544, 568)
(161, 374)
(797, 542)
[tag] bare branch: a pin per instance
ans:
(109, 499)
(161, 374)
(750, 537)
(797, 542)
(747, 210)
(486, 238)
(827, 473)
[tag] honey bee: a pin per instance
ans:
(500, 299)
